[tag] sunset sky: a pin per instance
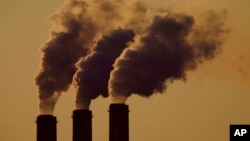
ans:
(214, 96)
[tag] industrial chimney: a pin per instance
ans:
(46, 128)
(82, 125)
(118, 122)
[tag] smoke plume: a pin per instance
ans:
(119, 48)
(76, 26)
(70, 39)
(172, 45)
(91, 79)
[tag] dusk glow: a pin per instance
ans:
(182, 66)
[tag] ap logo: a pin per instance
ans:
(239, 132)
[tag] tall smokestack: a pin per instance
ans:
(82, 125)
(118, 122)
(46, 128)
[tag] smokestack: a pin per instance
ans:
(118, 122)
(82, 125)
(46, 128)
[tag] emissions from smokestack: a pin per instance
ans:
(46, 128)
(91, 78)
(118, 122)
(166, 46)
(76, 27)
(70, 39)
(118, 48)
(82, 125)
(173, 45)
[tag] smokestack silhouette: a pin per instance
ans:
(46, 128)
(82, 125)
(118, 122)
(108, 48)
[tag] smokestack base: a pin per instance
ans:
(46, 128)
(82, 125)
(118, 122)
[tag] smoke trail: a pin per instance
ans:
(91, 79)
(70, 39)
(166, 46)
(172, 45)
(76, 25)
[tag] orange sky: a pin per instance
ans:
(214, 96)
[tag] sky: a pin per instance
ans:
(214, 96)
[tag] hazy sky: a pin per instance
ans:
(216, 95)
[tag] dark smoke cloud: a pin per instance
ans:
(172, 45)
(70, 39)
(91, 79)
(166, 46)
(76, 26)
(208, 36)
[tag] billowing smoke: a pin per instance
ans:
(91, 79)
(172, 45)
(121, 48)
(76, 27)
(70, 39)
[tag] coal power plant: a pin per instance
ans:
(46, 128)
(116, 49)
(82, 125)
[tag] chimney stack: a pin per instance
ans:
(82, 125)
(46, 128)
(118, 122)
